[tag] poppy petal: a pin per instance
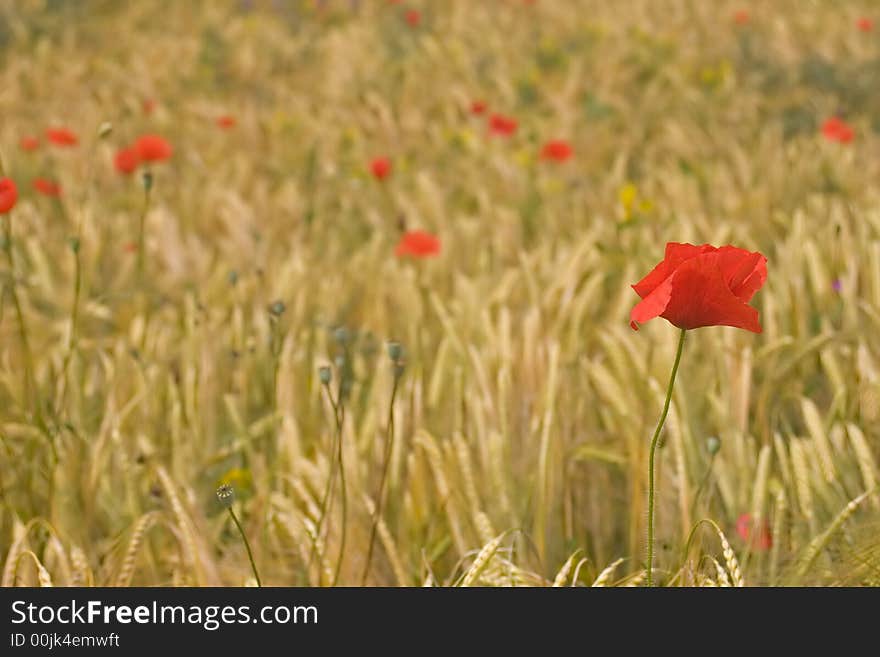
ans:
(652, 304)
(700, 297)
(676, 253)
(745, 272)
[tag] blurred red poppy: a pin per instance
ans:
(413, 17)
(763, 539)
(556, 150)
(29, 143)
(148, 105)
(152, 148)
(741, 17)
(502, 125)
(226, 121)
(126, 160)
(47, 187)
(8, 195)
(61, 137)
(380, 167)
(702, 285)
(478, 107)
(836, 129)
(130, 247)
(418, 244)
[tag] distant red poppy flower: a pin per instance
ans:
(152, 148)
(62, 137)
(47, 187)
(126, 160)
(380, 167)
(741, 17)
(556, 150)
(226, 121)
(148, 105)
(418, 244)
(8, 195)
(478, 107)
(763, 539)
(702, 285)
(836, 129)
(413, 17)
(865, 24)
(29, 143)
(130, 247)
(502, 125)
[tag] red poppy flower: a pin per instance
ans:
(478, 107)
(8, 195)
(763, 540)
(61, 137)
(413, 17)
(152, 148)
(29, 143)
(226, 121)
(741, 17)
(557, 150)
(380, 167)
(502, 125)
(47, 187)
(865, 24)
(418, 244)
(836, 129)
(126, 160)
(148, 105)
(130, 247)
(702, 285)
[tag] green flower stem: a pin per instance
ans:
(654, 441)
(377, 515)
(141, 262)
(246, 545)
(343, 494)
(331, 476)
(29, 377)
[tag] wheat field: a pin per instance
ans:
(248, 343)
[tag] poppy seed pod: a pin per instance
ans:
(713, 445)
(325, 374)
(277, 309)
(395, 351)
(226, 495)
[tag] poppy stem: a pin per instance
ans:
(247, 546)
(29, 377)
(654, 441)
(343, 494)
(325, 498)
(389, 442)
(148, 185)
